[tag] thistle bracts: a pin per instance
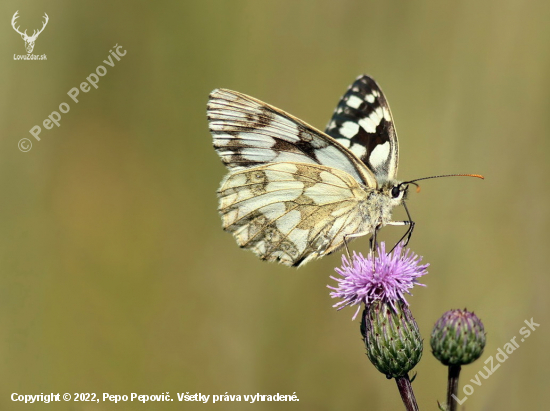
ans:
(392, 338)
(458, 338)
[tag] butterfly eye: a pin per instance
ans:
(395, 192)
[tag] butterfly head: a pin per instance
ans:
(396, 191)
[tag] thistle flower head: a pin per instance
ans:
(384, 277)
(458, 338)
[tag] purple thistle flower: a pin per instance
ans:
(392, 276)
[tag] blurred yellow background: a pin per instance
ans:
(115, 275)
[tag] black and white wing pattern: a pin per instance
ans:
(293, 193)
(248, 132)
(362, 123)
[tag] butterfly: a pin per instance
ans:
(294, 193)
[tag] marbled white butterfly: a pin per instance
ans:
(294, 193)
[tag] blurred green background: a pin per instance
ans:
(115, 275)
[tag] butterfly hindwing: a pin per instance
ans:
(248, 132)
(291, 212)
(362, 123)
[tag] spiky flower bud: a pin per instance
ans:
(458, 338)
(392, 338)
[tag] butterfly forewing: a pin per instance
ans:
(362, 123)
(291, 212)
(248, 132)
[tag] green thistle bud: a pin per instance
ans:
(458, 338)
(392, 338)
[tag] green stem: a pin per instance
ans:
(452, 387)
(406, 391)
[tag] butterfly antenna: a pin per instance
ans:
(446, 175)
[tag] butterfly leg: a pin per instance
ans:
(408, 233)
(373, 245)
(347, 249)
(348, 237)
(373, 242)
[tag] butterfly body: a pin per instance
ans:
(294, 193)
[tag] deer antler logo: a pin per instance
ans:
(29, 40)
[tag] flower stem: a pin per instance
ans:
(452, 387)
(406, 391)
